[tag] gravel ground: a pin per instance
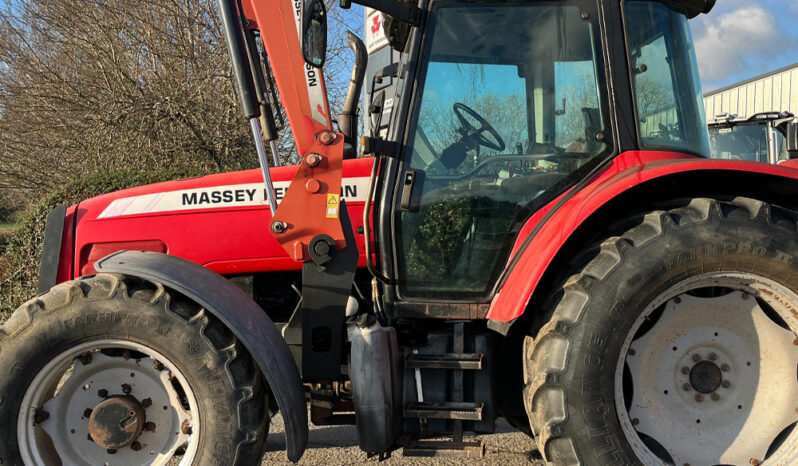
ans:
(337, 445)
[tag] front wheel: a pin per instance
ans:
(115, 370)
(676, 344)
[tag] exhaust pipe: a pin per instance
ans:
(347, 119)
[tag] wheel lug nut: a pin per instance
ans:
(185, 427)
(635, 421)
(85, 359)
(126, 389)
(699, 398)
(102, 393)
(685, 370)
(696, 358)
(157, 365)
(111, 451)
(632, 352)
(135, 446)
(686, 387)
(149, 427)
(713, 356)
(87, 413)
(146, 402)
(715, 397)
(726, 384)
(677, 300)
(753, 461)
(724, 367)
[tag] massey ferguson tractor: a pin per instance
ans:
(518, 240)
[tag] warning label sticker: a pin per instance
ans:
(332, 205)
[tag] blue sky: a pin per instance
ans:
(741, 39)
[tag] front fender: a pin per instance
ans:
(241, 315)
(545, 233)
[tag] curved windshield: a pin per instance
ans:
(670, 109)
(511, 112)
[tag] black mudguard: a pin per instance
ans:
(241, 315)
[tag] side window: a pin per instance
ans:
(494, 92)
(667, 88)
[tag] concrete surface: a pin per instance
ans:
(337, 445)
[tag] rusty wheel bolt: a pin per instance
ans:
(102, 393)
(635, 421)
(126, 389)
(135, 446)
(725, 384)
(686, 387)
(185, 427)
(149, 426)
(85, 359)
(754, 462)
(677, 300)
(713, 356)
(715, 397)
(696, 358)
(632, 352)
(87, 413)
(699, 398)
(685, 370)
(724, 367)
(146, 402)
(111, 451)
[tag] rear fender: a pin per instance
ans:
(241, 315)
(633, 180)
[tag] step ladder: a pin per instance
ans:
(457, 410)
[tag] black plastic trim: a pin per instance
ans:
(51, 252)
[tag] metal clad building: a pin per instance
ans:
(776, 91)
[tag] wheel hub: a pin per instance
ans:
(705, 377)
(116, 422)
(713, 380)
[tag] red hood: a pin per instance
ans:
(219, 221)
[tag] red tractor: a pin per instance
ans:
(520, 242)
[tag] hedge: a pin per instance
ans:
(19, 262)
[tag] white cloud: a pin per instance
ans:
(738, 40)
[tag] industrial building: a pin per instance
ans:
(776, 91)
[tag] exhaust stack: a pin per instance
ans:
(348, 118)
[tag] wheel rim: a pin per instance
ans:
(67, 413)
(707, 374)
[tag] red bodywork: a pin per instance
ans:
(230, 238)
(227, 237)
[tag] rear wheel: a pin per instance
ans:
(113, 370)
(676, 344)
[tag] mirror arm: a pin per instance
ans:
(398, 10)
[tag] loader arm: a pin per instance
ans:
(310, 207)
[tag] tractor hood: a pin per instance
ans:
(219, 221)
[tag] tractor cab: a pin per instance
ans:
(759, 138)
(498, 108)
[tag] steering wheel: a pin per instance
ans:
(471, 131)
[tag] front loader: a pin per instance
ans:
(519, 239)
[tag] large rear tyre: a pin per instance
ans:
(117, 370)
(676, 344)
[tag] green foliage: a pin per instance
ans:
(19, 263)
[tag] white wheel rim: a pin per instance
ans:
(730, 386)
(66, 387)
